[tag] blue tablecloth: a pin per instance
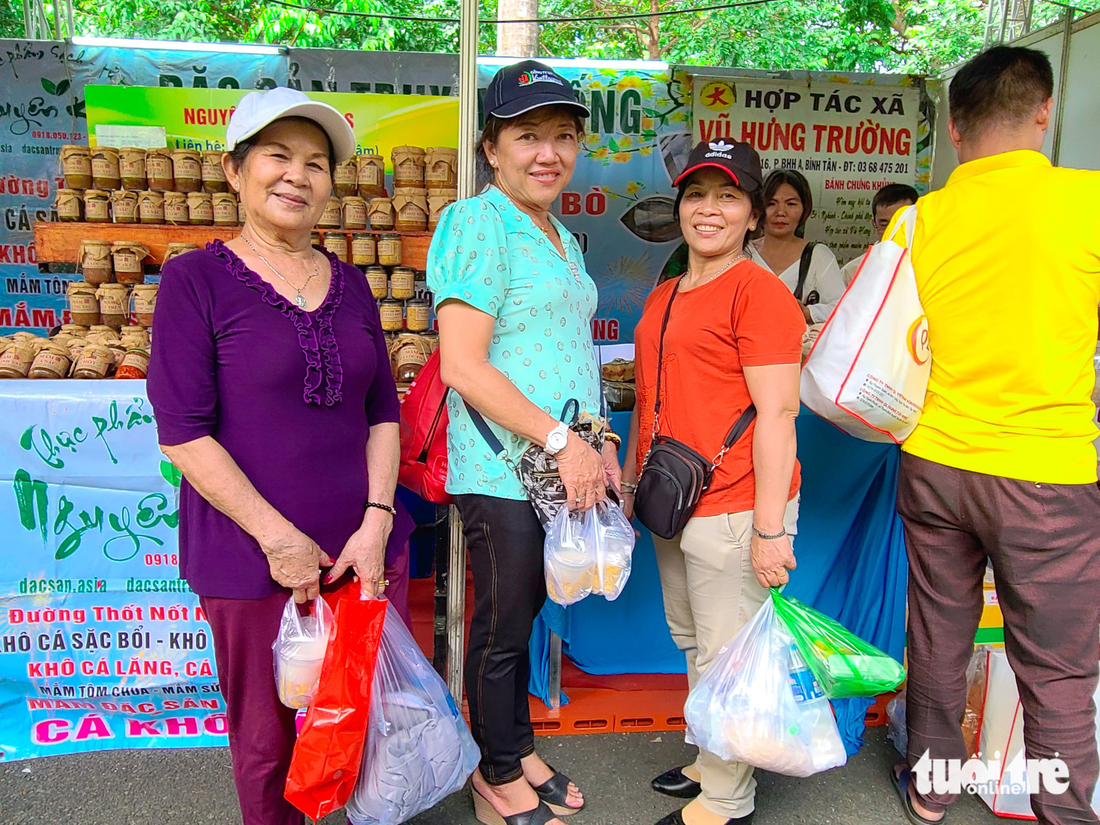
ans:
(851, 566)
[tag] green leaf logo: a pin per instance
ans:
(47, 84)
(170, 474)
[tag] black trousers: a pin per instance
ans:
(504, 538)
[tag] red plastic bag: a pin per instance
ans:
(424, 420)
(329, 752)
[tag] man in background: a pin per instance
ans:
(888, 200)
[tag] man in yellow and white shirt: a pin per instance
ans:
(1002, 467)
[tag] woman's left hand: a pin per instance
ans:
(365, 553)
(613, 473)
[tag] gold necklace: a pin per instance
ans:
(724, 268)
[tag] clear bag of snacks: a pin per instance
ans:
(588, 551)
(300, 651)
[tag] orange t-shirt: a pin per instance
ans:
(743, 318)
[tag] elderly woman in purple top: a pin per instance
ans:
(273, 396)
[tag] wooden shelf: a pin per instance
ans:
(60, 242)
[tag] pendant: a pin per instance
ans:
(300, 301)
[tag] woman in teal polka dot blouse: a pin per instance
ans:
(515, 307)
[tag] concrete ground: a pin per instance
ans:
(195, 787)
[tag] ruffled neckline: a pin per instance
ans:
(324, 373)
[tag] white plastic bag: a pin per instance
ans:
(868, 371)
(300, 652)
(588, 551)
(758, 703)
(419, 750)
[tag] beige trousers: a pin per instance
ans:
(711, 592)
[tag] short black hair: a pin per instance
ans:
(893, 193)
(797, 181)
(1004, 84)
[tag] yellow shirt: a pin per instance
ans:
(1007, 259)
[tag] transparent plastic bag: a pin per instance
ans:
(419, 750)
(759, 703)
(897, 732)
(588, 551)
(300, 652)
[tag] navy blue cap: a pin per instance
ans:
(528, 85)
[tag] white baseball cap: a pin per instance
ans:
(258, 109)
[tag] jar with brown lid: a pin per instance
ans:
(151, 207)
(144, 303)
(411, 353)
(380, 213)
(158, 170)
(83, 304)
(364, 249)
(389, 250)
(16, 359)
(441, 168)
(134, 364)
(337, 244)
(97, 206)
(438, 200)
(114, 305)
(70, 206)
(131, 168)
(200, 209)
(105, 171)
(371, 176)
(345, 179)
(124, 206)
(134, 336)
(129, 258)
(95, 263)
(187, 170)
(410, 208)
(225, 209)
(62, 338)
(402, 283)
(101, 332)
(418, 315)
(95, 361)
(174, 250)
(175, 209)
(52, 361)
(378, 281)
(76, 167)
(354, 210)
(392, 314)
(213, 175)
(75, 330)
(408, 166)
(330, 218)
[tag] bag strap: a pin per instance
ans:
(569, 414)
(804, 268)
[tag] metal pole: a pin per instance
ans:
(1004, 21)
(28, 20)
(1063, 81)
(69, 17)
(57, 19)
(456, 605)
(467, 97)
(553, 691)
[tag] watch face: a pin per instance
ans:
(556, 440)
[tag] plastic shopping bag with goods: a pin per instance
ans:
(588, 551)
(843, 663)
(300, 651)
(758, 703)
(329, 750)
(419, 750)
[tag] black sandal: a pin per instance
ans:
(677, 818)
(555, 793)
(487, 815)
(901, 785)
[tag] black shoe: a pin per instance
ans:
(675, 818)
(674, 783)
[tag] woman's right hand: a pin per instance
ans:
(295, 561)
(582, 472)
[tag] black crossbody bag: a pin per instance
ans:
(674, 476)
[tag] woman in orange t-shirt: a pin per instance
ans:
(734, 338)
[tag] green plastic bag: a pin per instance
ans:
(843, 663)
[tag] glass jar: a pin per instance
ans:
(129, 259)
(345, 177)
(134, 336)
(102, 333)
(187, 170)
(134, 364)
(441, 168)
(175, 209)
(225, 209)
(337, 244)
(105, 171)
(380, 213)
(389, 250)
(438, 200)
(97, 206)
(158, 170)
(408, 166)
(124, 206)
(402, 283)
(174, 250)
(75, 330)
(70, 206)
(371, 176)
(114, 305)
(410, 208)
(76, 167)
(16, 360)
(410, 355)
(330, 218)
(83, 304)
(200, 209)
(95, 263)
(151, 207)
(378, 280)
(354, 211)
(95, 361)
(393, 315)
(144, 298)
(418, 315)
(52, 361)
(213, 175)
(131, 167)
(364, 249)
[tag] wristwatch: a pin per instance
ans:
(557, 439)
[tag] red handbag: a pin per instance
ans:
(424, 420)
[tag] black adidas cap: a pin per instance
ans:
(528, 85)
(738, 160)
